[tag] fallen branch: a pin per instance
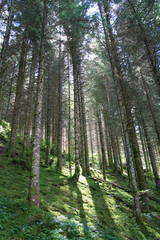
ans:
(125, 189)
(113, 184)
(119, 198)
(154, 198)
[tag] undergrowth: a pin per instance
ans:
(88, 210)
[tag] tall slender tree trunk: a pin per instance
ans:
(119, 154)
(112, 131)
(69, 120)
(19, 88)
(123, 131)
(54, 128)
(28, 121)
(156, 126)
(48, 123)
(10, 93)
(114, 150)
(130, 125)
(113, 54)
(98, 146)
(84, 125)
(59, 143)
(5, 45)
(76, 120)
(151, 153)
(104, 164)
(135, 191)
(3, 65)
(34, 183)
(1, 103)
(91, 141)
(143, 148)
(108, 142)
(81, 137)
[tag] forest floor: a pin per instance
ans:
(89, 210)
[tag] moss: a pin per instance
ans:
(84, 206)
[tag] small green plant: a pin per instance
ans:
(52, 149)
(29, 152)
(43, 146)
(5, 130)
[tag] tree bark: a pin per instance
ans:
(108, 142)
(76, 120)
(104, 164)
(69, 120)
(5, 45)
(91, 141)
(19, 88)
(29, 113)
(59, 143)
(157, 130)
(34, 183)
(84, 125)
(143, 148)
(98, 146)
(151, 153)
(10, 93)
(48, 123)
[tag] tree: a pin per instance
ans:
(34, 184)
(73, 16)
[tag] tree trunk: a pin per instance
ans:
(10, 93)
(28, 121)
(69, 120)
(81, 137)
(108, 142)
(151, 109)
(114, 150)
(3, 55)
(76, 120)
(135, 191)
(5, 45)
(59, 143)
(54, 128)
(113, 54)
(91, 141)
(48, 123)
(84, 124)
(130, 125)
(98, 146)
(19, 88)
(144, 150)
(151, 153)
(34, 183)
(1, 101)
(119, 154)
(104, 164)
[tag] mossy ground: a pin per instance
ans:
(88, 210)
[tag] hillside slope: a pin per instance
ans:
(88, 210)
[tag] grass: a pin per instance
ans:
(88, 210)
